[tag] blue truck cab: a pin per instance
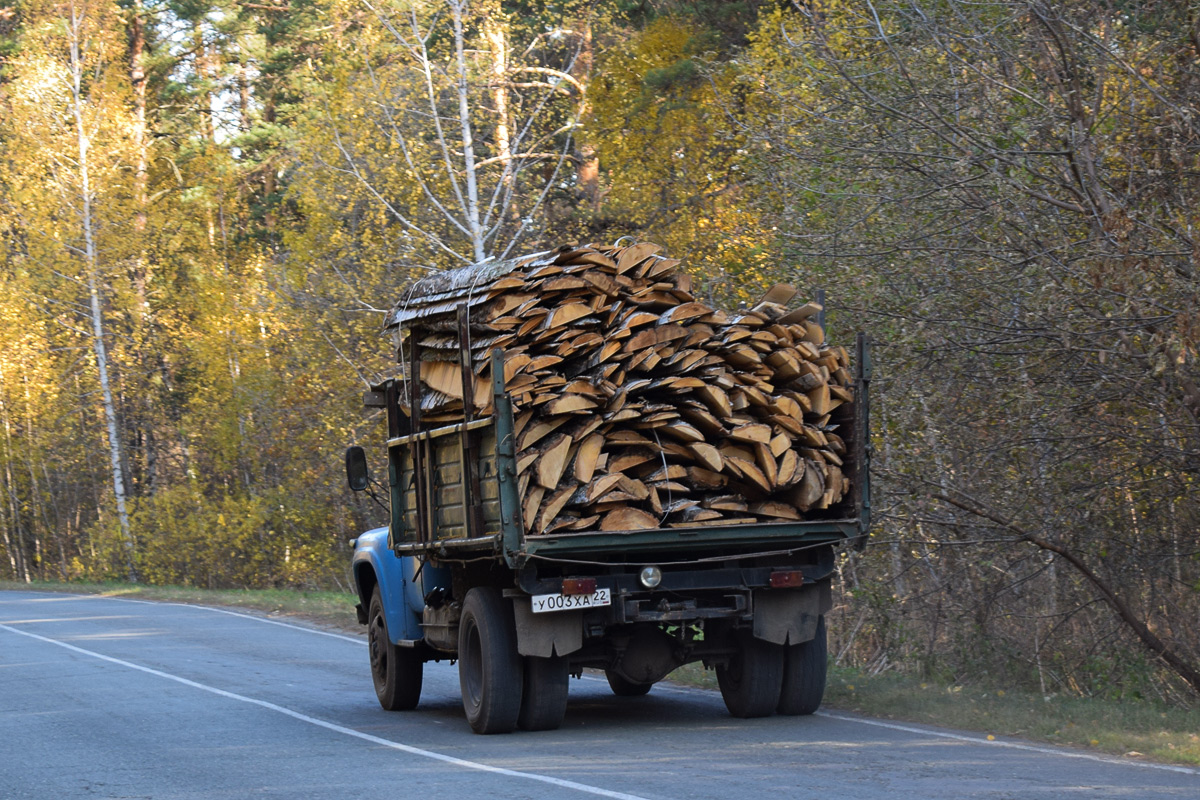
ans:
(375, 565)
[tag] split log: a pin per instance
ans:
(628, 518)
(636, 404)
(553, 461)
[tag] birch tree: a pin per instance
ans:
(69, 126)
(456, 131)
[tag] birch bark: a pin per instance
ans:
(77, 36)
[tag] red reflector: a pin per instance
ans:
(579, 586)
(782, 580)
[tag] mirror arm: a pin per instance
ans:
(371, 484)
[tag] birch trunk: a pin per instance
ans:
(36, 494)
(99, 348)
(9, 543)
(498, 45)
(13, 544)
(588, 171)
(474, 223)
(137, 78)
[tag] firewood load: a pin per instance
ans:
(635, 405)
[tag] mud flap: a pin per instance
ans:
(789, 616)
(544, 635)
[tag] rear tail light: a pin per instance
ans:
(579, 586)
(786, 578)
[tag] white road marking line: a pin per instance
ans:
(341, 636)
(265, 620)
(1123, 762)
(320, 723)
(694, 690)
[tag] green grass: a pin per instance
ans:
(694, 675)
(1139, 729)
(1148, 730)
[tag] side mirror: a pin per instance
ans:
(356, 468)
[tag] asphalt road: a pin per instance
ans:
(108, 698)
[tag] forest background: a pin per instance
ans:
(206, 206)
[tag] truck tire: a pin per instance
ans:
(751, 682)
(622, 687)
(544, 699)
(395, 671)
(490, 671)
(804, 667)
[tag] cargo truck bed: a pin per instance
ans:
(454, 493)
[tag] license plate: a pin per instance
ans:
(543, 603)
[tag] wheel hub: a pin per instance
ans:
(375, 639)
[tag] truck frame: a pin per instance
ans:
(455, 576)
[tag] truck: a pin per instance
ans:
(456, 575)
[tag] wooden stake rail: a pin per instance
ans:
(636, 406)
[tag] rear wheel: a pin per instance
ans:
(804, 668)
(544, 699)
(622, 687)
(395, 671)
(490, 671)
(751, 681)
